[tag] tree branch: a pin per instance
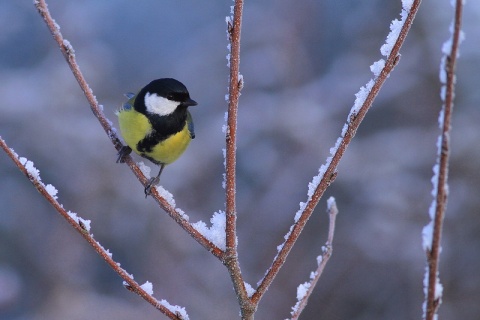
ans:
(69, 54)
(433, 296)
(322, 261)
(79, 225)
(234, 28)
(330, 171)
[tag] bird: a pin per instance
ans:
(156, 124)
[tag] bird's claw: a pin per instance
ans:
(151, 184)
(124, 152)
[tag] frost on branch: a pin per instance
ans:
(216, 233)
(431, 233)
(148, 287)
(395, 28)
(177, 310)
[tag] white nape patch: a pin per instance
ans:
(159, 105)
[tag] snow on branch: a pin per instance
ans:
(216, 233)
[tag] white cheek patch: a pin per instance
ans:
(159, 105)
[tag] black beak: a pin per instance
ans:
(189, 102)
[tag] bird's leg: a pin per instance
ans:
(124, 151)
(153, 181)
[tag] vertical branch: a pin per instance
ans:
(247, 309)
(231, 134)
(433, 296)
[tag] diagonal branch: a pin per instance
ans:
(79, 225)
(330, 170)
(69, 54)
(322, 261)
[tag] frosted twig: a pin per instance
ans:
(306, 289)
(82, 228)
(329, 171)
(230, 260)
(432, 234)
(69, 54)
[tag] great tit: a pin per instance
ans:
(156, 124)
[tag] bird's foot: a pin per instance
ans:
(151, 184)
(124, 152)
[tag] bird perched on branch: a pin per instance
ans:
(156, 124)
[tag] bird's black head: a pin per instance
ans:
(162, 97)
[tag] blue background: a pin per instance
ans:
(302, 62)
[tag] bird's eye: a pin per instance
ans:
(170, 97)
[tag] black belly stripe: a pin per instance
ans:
(162, 128)
(147, 143)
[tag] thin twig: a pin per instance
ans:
(83, 231)
(69, 55)
(322, 260)
(247, 309)
(331, 170)
(433, 256)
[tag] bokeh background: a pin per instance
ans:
(302, 62)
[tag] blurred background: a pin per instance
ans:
(302, 62)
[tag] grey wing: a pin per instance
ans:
(191, 128)
(129, 95)
(131, 101)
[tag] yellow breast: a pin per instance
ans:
(172, 148)
(134, 126)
